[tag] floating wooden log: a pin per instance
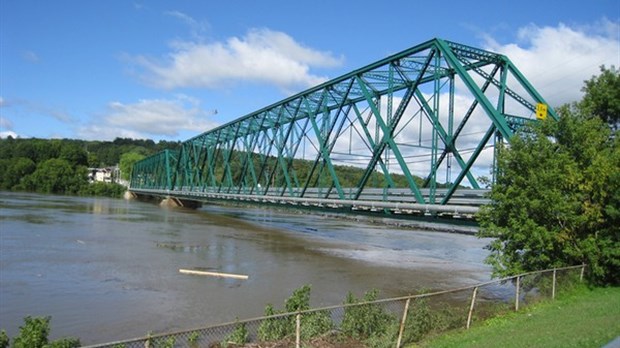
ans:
(214, 274)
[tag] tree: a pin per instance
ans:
(74, 154)
(126, 163)
(12, 171)
(56, 176)
(602, 97)
(556, 201)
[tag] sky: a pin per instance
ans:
(170, 70)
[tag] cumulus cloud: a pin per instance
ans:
(6, 134)
(262, 55)
(149, 118)
(5, 123)
(6, 126)
(556, 60)
(25, 107)
(30, 56)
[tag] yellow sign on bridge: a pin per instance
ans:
(541, 111)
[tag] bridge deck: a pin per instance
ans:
(465, 204)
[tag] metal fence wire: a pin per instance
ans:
(390, 322)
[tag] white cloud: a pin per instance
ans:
(262, 55)
(556, 60)
(30, 56)
(6, 134)
(149, 118)
(5, 124)
(198, 28)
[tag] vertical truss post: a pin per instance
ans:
(436, 124)
(448, 150)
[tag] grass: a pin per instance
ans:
(582, 318)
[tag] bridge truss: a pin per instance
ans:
(405, 134)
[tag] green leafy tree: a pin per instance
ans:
(4, 339)
(56, 176)
(556, 201)
(74, 154)
(126, 163)
(602, 97)
(93, 160)
(13, 170)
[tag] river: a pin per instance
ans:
(108, 269)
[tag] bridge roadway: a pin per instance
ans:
(465, 203)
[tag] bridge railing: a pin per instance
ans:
(377, 323)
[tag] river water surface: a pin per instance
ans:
(108, 269)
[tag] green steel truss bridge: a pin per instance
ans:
(410, 134)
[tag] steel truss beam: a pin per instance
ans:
(403, 122)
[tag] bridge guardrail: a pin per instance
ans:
(395, 321)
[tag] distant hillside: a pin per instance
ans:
(60, 165)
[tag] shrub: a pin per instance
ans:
(312, 324)
(367, 320)
(238, 336)
(33, 334)
(4, 339)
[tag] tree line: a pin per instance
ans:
(60, 166)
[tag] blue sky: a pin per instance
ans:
(173, 69)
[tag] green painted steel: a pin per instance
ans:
(419, 125)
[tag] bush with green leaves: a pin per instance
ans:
(238, 336)
(4, 339)
(312, 324)
(365, 321)
(33, 334)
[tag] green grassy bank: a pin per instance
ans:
(582, 318)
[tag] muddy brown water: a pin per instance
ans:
(108, 269)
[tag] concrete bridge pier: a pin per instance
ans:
(164, 201)
(175, 202)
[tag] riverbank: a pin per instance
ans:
(584, 317)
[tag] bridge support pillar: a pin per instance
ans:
(178, 202)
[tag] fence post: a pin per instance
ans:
(517, 294)
(583, 267)
(471, 307)
(298, 331)
(402, 323)
(553, 286)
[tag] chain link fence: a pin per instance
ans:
(367, 322)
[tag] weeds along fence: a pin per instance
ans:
(368, 322)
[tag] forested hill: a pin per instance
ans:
(60, 165)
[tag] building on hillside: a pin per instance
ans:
(107, 174)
